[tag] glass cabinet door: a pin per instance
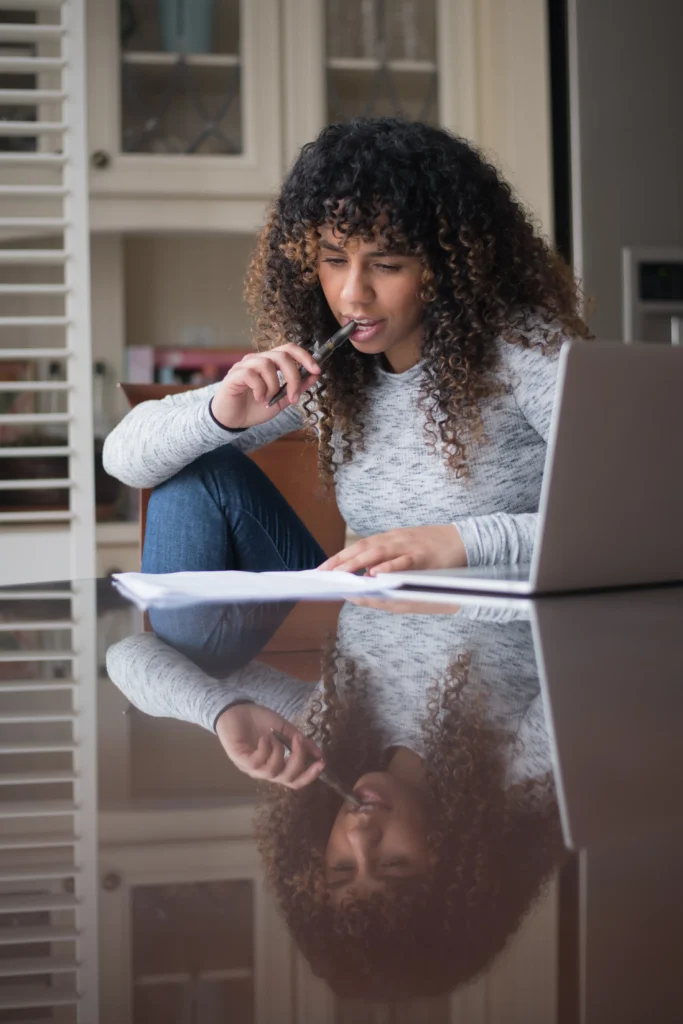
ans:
(190, 935)
(406, 58)
(183, 97)
(180, 78)
(381, 59)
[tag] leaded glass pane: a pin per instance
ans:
(181, 79)
(381, 59)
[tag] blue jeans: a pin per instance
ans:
(222, 512)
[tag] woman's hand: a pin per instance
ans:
(412, 547)
(243, 395)
(245, 734)
(406, 606)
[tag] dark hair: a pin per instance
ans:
(492, 848)
(487, 273)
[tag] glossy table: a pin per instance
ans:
(133, 884)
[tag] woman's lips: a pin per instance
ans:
(366, 332)
(369, 797)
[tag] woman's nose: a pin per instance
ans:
(356, 288)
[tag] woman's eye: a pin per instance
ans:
(388, 266)
(334, 260)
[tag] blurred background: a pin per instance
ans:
(140, 144)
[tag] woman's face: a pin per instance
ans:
(380, 289)
(372, 849)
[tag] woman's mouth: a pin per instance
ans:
(366, 330)
(370, 799)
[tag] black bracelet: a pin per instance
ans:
(231, 430)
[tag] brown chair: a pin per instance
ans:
(290, 462)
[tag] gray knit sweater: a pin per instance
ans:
(397, 481)
(399, 657)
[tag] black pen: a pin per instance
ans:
(325, 776)
(320, 354)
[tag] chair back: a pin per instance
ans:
(290, 462)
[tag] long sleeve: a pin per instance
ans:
(159, 438)
(502, 537)
(165, 684)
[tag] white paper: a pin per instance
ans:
(180, 588)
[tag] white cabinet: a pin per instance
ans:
(204, 122)
(213, 122)
(189, 932)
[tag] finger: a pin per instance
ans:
(267, 369)
(290, 370)
(378, 603)
(341, 557)
(296, 764)
(257, 383)
(309, 776)
(399, 564)
(259, 758)
(364, 560)
(293, 735)
(302, 356)
(275, 763)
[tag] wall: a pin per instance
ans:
(178, 281)
(512, 120)
(626, 83)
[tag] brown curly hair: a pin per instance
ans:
(487, 273)
(492, 847)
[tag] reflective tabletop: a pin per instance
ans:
(507, 848)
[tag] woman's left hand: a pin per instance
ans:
(411, 547)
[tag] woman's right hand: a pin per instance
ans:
(243, 395)
(246, 735)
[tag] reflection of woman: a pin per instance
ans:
(437, 723)
(432, 422)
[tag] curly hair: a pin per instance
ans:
(492, 847)
(487, 273)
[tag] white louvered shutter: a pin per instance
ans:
(46, 434)
(48, 808)
(48, 830)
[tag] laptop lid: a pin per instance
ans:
(611, 506)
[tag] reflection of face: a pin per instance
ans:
(362, 282)
(368, 851)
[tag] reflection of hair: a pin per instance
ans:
(492, 849)
(484, 269)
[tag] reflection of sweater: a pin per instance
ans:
(399, 656)
(396, 481)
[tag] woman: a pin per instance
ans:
(432, 423)
(436, 721)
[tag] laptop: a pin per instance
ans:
(610, 674)
(611, 505)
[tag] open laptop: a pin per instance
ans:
(611, 506)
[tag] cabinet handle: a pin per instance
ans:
(100, 159)
(111, 881)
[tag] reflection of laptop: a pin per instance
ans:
(610, 669)
(611, 507)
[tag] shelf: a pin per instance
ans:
(415, 67)
(202, 60)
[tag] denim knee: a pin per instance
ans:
(225, 467)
